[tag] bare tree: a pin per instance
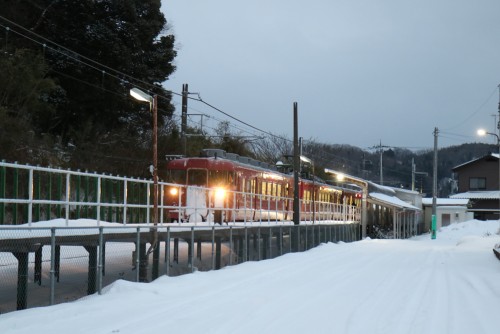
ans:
(272, 148)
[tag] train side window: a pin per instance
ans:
(263, 188)
(279, 191)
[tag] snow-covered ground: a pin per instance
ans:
(447, 285)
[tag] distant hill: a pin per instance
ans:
(397, 164)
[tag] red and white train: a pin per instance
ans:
(224, 187)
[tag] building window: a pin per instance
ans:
(477, 183)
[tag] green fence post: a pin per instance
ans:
(96, 184)
(119, 198)
(110, 200)
(86, 195)
(134, 199)
(49, 197)
(15, 195)
(103, 196)
(37, 181)
(77, 199)
(59, 194)
(2, 193)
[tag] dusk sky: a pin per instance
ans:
(362, 72)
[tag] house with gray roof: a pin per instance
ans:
(478, 182)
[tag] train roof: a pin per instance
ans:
(226, 160)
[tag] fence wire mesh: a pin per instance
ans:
(45, 266)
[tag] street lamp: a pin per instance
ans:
(482, 132)
(141, 96)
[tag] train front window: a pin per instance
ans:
(177, 176)
(197, 177)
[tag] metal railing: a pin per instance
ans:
(30, 194)
(44, 266)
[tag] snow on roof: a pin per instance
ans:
(381, 188)
(392, 201)
(492, 194)
(446, 201)
(494, 155)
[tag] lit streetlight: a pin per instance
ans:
(141, 96)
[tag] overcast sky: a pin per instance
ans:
(361, 71)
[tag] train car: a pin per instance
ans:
(224, 187)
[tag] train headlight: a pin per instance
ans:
(174, 191)
(220, 193)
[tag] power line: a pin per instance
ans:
(77, 56)
(100, 67)
(475, 112)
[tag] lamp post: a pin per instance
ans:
(482, 132)
(141, 96)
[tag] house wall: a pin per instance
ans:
(456, 214)
(487, 168)
(485, 209)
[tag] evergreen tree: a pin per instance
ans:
(90, 101)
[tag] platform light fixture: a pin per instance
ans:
(152, 100)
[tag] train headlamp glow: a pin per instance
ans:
(173, 191)
(220, 193)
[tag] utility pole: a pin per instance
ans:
(381, 151)
(184, 118)
(381, 172)
(413, 173)
(434, 185)
(498, 144)
(296, 166)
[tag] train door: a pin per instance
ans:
(196, 195)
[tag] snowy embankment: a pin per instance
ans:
(447, 285)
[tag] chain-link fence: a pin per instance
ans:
(45, 266)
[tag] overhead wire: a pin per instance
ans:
(95, 65)
(77, 56)
(473, 113)
(99, 67)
